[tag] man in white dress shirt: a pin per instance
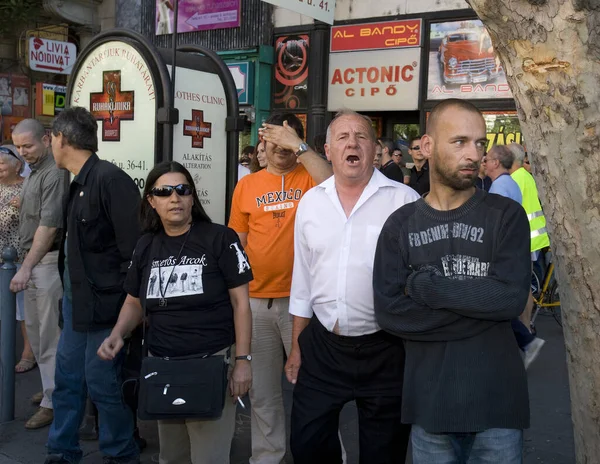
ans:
(339, 353)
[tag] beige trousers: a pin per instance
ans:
(271, 334)
(195, 441)
(42, 297)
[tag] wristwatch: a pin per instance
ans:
(246, 357)
(303, 149)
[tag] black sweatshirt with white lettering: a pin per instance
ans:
(448, 283)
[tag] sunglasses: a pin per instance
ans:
(8, 151)
(183, 190)
(416, 147)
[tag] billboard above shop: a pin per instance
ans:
(373, 36)
(381, 80)
(316, 9)
(463, 63)
(197, 16)
(291, 72)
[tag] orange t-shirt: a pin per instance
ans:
(264, 206)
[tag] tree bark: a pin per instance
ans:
(550, 50)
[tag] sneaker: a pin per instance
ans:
(56, 459)
(41, 418)
(37, 398)
(533, 350)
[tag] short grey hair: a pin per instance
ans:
(518, 151)
(343, 113)
(32, 126)
(504, 155)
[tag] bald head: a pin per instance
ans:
(438, 111)
(351, 114)
(29, 136)
(30, 126)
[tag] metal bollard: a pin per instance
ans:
(8, 308)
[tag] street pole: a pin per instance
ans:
(8, 312)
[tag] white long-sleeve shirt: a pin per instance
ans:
(333, 254)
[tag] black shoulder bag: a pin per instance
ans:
(186, 387)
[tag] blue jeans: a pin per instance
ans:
(79, 372)
(493, 446)
(522, 334)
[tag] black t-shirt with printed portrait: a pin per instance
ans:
(198, 315)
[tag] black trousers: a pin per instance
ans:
(335, 370)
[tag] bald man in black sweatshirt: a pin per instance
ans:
(451, 270)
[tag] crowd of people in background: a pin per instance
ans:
(403, 287)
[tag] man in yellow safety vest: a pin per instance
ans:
(537, 220)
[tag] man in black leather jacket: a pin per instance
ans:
(102, 230)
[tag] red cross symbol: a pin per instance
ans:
(112, 105)
(197, 128)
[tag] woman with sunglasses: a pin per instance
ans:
(12, 168)
(207, 315)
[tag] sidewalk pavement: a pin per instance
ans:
(549, 440)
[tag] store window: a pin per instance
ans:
(502, 127)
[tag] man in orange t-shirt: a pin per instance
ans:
(262, 213)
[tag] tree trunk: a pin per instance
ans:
(550, 50)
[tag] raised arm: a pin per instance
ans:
(286, 138)
(501, 295)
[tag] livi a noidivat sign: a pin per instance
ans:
(317, 9)
(116, 85)
(51, 56)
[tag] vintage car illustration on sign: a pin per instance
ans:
(467, 56)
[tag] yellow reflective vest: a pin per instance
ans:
(533, 208)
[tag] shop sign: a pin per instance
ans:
(383, 80)
(200, 138)
(14, 95)
(50, 99)
(463, 63)
(51, 56)
(243, 76)
(502, 127)
(373, 36)
(317, 9)
(291, 72)
(116, 85)
(193, 15)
